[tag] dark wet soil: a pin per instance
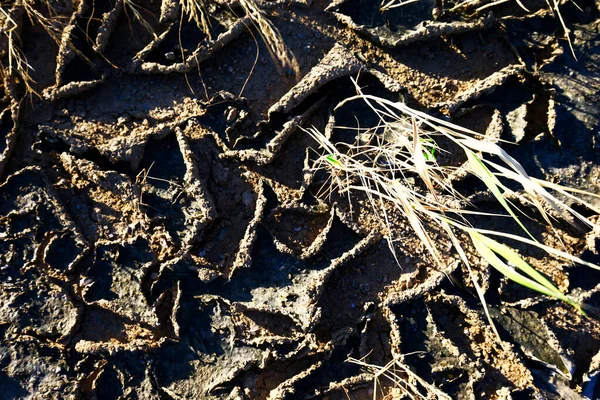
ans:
(163, 237)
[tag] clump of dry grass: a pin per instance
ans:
(404, 147)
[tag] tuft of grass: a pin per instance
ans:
(387, 159)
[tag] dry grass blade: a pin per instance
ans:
(282, 56)
(196, 11)
(388, 5)
(136, 10)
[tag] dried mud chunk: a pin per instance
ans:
(459, 353)
(115, 210)
(183, 45)
(9, 118)
(578, 340)
(227, 118)
(33, 223)
(115, 280)
(227, 244)
(485, 86)
(531, 334)
(169, 10)
(337, 63)
(266, 155)
(296, 106)
(31, 369)
(207, 357)
(331, 374)
(41, 309)
(400, 26)
(355, 290)
(574, 118)
(124, 375)
(120, 138)
(238, 199)
(105, 332)
(533, 38)
(523, 102)
(477, 350)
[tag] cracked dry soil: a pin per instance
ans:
(161, 236)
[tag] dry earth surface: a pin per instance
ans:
(161, 233)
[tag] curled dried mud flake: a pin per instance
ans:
(107, 25)
(267, 155)
(9, 129)
(203, 52)
(337, 63)
(425, 30)
(483, 87)
(243, 258)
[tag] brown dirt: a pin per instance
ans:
(162, 235)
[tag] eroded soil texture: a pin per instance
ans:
(162, 234)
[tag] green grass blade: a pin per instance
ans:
(493, 184)
(504, 269)
(333, 161)
(488, 249)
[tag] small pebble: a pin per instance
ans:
(86, 281)
(170, 56)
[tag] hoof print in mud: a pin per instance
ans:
(37, 234)
(116, 279)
